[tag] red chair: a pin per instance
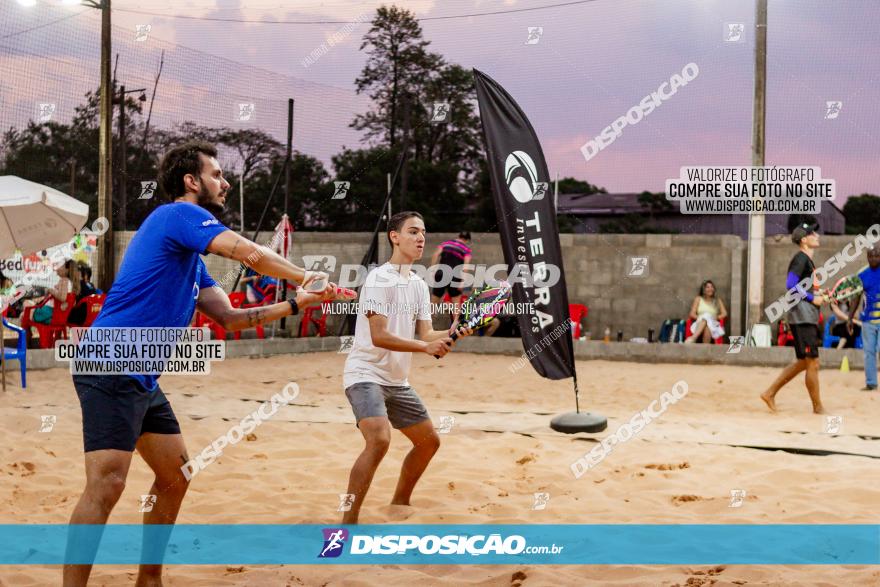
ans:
(239, 300)
(577, 312)
(94, 304)
(784, 336)
(201, 320)
(56, 329)
(308, 318)
(687, 330)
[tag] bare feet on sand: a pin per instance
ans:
(770, 401)
(396, 512)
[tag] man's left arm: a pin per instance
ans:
(215, 304)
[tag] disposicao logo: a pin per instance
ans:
(334, 541)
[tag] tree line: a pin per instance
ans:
(445, 175)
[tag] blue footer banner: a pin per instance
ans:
(605, 544)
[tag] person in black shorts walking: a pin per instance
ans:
(803, 318)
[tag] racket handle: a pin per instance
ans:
(454, 337)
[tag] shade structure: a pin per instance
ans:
(34, 217)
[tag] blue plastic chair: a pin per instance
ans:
(829, 340)
(20, 353)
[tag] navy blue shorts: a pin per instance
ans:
(116, 410)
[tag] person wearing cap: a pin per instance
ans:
(803, 318)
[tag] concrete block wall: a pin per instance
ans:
(597, 271)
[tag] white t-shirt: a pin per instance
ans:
(404, 301)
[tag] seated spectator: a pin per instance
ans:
(256, 286)
(6, 285)
(706, 312)
(69, 282)
(843, 325)
(86, 288)
(7, 301)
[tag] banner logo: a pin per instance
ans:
(521, 175)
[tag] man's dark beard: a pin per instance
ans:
(204, 200)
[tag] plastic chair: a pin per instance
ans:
(57, 328)
(784, 337)
(576, 313)
(239, 300)
(308, 318)
(94, 304)
(20, 352)
(202, 320)
(687, 330)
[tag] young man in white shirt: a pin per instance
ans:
(394, 309)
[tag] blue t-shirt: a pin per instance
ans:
(871, 283)
(161, 274)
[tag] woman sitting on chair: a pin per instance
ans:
(707, 311)
(69, 282)
(843, 324)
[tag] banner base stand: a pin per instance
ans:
(573, 422)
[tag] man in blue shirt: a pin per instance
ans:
(124, 412)
(870, 277)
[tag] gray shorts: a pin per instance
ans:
(401, 405)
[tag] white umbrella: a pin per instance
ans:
(34, 217)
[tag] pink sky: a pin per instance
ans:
(593, 62)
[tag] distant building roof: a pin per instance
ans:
(610, 204)
(596, 208)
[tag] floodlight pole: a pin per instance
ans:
(105, 265)
(755, 275)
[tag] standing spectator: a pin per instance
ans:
(870, 316)
(707, 311)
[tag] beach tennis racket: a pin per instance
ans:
(846, 288)
(483, 305)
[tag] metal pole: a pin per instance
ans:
(105, 267)
(241, 198)
(287, 164)
(72, 163)
(404, 176)
(122, 156)
(755, 275)
(388, 194)
(556, 193)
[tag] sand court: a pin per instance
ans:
(499, 451)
